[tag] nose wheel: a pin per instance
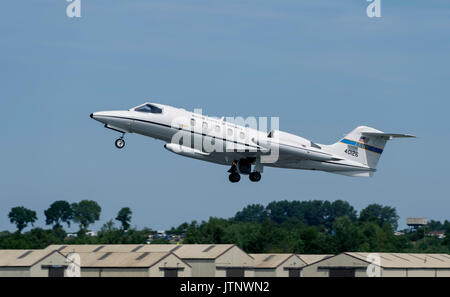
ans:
(120, 143)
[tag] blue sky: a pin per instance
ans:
(323, 67)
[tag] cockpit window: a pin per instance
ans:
(149, 108)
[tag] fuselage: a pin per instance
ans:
(216, 140)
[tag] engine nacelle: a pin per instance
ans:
(289, 138)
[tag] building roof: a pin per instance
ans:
(404, 260)
(121, 259)
(310, 259)
(184, 251)
(273, 260)
(86, 248)
(23, 258)
(202, 251)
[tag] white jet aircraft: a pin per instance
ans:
(242, 147)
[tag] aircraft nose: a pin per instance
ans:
(92, 115)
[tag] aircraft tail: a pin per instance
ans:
(364, 145)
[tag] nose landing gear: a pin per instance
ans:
(120, 142)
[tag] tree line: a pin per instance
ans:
(280, 227)
(85, 213)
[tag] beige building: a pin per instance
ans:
(207, 260)
(129, 264)
(30, 263)
(277, 265)
(390, 265)
(309, 259)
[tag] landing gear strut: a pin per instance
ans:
(120, 142)
(234, 176)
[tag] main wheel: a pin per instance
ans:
(120, 143)
(255, 176)
(234, 177)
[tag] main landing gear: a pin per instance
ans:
(255, 176)
(244, 168)
(120, 142)
(234, 177)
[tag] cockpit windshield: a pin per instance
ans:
(149, 108)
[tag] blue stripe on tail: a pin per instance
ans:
(362, 146)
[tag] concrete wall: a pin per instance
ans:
(341, 260)
(55, 259)
(265, 272)
(202, 267)
(171, 261)
(114, 272)
(14, 271)
(292, 262)
(37, 270)
(443, 272)
(234, 257)
(393, 272)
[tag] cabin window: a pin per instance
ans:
(242, 135)
(217, 128)
(149, 108)
(230, 132)
(205, 126)
(192, 122)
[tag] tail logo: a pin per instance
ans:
(362, 145)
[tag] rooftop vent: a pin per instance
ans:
(137, 248)
(99, 248)
(24, 254)
(143, 256)
(209, 248)
(268, 258)
(104, 256)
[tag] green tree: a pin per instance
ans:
(348, 237)
(124, 217)
(59, 212)
(337, 209)
(21, 217)
(85, 213)
(251, 213)
(380, 214)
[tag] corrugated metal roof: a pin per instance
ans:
(273, 260)
(22, 258)
(86, 248)
(202, 251)
(404, 260)
(310, 259)
(120, 259)
(190, 251)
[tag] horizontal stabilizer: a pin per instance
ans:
(387, 135)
